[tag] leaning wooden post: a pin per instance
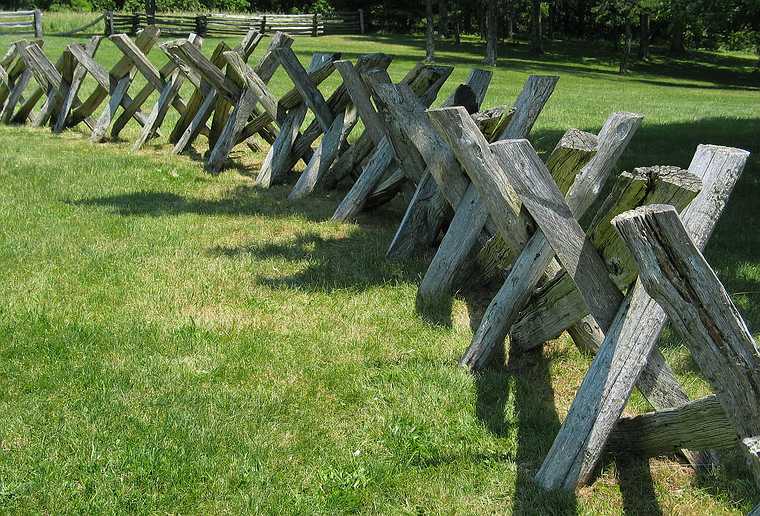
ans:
(471, 216)
(632, 337)
(676, 275)
(37, 23)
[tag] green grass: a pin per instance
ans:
(174, 342)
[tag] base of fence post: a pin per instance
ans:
(37, 23)
(315, 26)
(263, 24)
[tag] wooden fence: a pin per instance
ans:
(21, 22)
(221, 25)
(608, 257)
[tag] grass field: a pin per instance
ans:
(174, 342)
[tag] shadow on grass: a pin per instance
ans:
(526, 380)
(588, 59)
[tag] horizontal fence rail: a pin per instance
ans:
(21, 22)
(222, 25)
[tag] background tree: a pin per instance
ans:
(492, 32)
(429, 36)
(536, 36)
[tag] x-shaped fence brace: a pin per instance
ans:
(279, 160)
(676, 275)
(471, 236)
(388, 151)
(204, 99)
(415, 138)
(351, 163)
(49, 79)
(167, 81)
(243, 88)
(518, 179)
(14, 77)
(111, 85)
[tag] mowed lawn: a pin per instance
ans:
(176, 342)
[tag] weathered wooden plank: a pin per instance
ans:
(532, 181)
(697, 425)
(200, 97)
(360, 96)
(572, 153)
(158, 113)
(424, 88)
(165, 73)
(276, 163)
(145, 40)
(549, 313)
(310, 94)
(677, 276)
(339, 101)
(466, 227)
(72, 83)
(632, 337)
(324, 155)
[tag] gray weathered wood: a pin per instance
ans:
(466, 227)
(631, 339)
(273, 169)
(549, 313)
(573, 151)
(72, 84)
(399, 151)
(144, 41)
(158, 113)
(697, 425)
(677, 276)
(311, 95)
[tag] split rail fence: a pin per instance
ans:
(21, 22)
(224, 25)
(610, 257)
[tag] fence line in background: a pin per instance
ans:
(231, 25)
(21, 22)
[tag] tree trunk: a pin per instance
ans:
(492, 37)
(626, 48)
(536, 41)
(677, 29)
(510, 24)
(443, 12)
(644, 36)
(429, 40)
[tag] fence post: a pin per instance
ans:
(314, 26)
(201, 25)
(135, 23)
(37, 23)
(361, 21)
(108, 18)
(263, 23)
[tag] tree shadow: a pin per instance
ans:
(575, 57)
(636, 485)
(523, 386)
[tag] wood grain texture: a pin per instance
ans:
(677, 276)
(696, 425)
(572, 152)
(632, 338)
(466, 226)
